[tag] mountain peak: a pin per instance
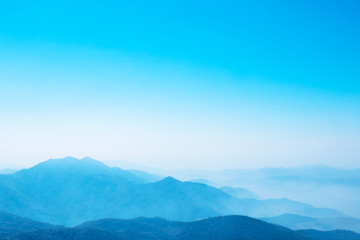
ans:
(87, 159)
(68, 164)
(73, 160)
(169, 179)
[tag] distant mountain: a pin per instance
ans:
(70, 191)
(318, 185)
(330, 235)
(11, 225)
(310, 175)
(240, 192)
(204, 181)
(323, 175)
(147, 177)
(346, 223)
(297, 222)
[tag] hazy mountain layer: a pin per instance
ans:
(70, 191)
(240, 192)
(318, 185)
(297, 222)
(330, 235)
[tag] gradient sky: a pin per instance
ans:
(181, 84)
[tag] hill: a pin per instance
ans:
(219, 228)
(65, 234)
(224, 228)
(11, 224)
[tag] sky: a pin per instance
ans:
(181, 84)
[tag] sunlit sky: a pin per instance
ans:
(181, 84)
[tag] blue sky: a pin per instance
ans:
(188, 84)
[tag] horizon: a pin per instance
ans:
(217, 85)
(126, 165)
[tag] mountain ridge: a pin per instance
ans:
(230, 227)
(70, 191)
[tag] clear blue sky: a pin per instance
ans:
(195, 84)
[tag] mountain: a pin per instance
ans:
(145, 176)
(70, 191)
(297, 222)
(270, 207)
(203, 181)
(64, 191)
(65, 167)
(11, 224)
(319, 175)
(347, 223)
(325, 186)
(240, 192)
(224, 228)
(229, 227)
(330, 235)
(322, 175)
(65, 234)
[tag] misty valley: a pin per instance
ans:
(74, 198)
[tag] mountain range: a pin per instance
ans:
(317, 185)
(70, 191)
(297, 222)
(224, 228)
